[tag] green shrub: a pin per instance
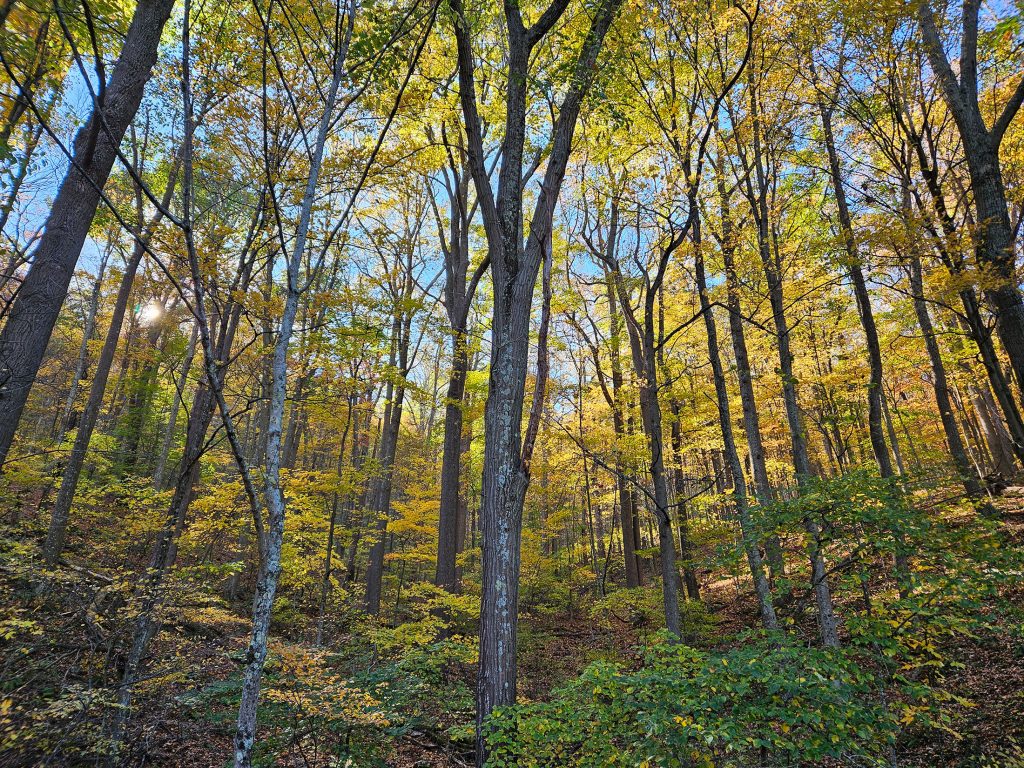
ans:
(767, 702)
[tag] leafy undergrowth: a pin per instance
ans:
(936, 679)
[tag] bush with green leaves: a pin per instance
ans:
(642, 608)
(766, 702)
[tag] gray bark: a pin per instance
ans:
(459, 290)
(941, 386)
(761, 587)
(751, 420)
(995, 246)
(61, 514)
(514, 269)
(172, 419)
(272, 537)
(83, 351)
(57, 532)
(860, 291)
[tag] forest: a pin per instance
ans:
(531, 383)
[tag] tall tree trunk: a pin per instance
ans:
(273, 495)
(514, 268)
(325, 584)
(165, 546)
(34, 312)
(860, 291)
(57, 532)
(381, 487)
(751, 420)
(976, 327)
(11, 198)
(448, 547)
(82, 363)
(767, 247)
(627, 497)
(685, 541)
(980, 144)
(941, 386)
(380, 497)
(749, 536)
(459, 290)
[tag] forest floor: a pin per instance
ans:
(987, 674)
(177, 724)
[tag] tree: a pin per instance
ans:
(514, 267)
(980, 143)
(32, 315)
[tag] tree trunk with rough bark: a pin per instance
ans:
(980, 144)
(514, 269)
(34, 312)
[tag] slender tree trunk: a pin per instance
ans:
(448, 526)
(83, 351)
(57, 533)
(380, 500)
(685, 543)
(11, 199)
(761, 587)
(860, 292)
(172, 419)
(751, 420)
(627, 499)
(273, 496)
(767, 246)
(999, 442)
(164, 550)
(940, 384)
(325, 584)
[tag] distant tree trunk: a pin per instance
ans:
(767, 247)
(627, 497)
(999, 443)
(61, 515)
(34, 311)
(381, 487)
(459, 290)
(66, 417)
(941, 386)
(11, 198)
(642, 333)
(172, 419)
(451, 485)
(325, 584)
(139, 400)
(685, 542)
(57, 532)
